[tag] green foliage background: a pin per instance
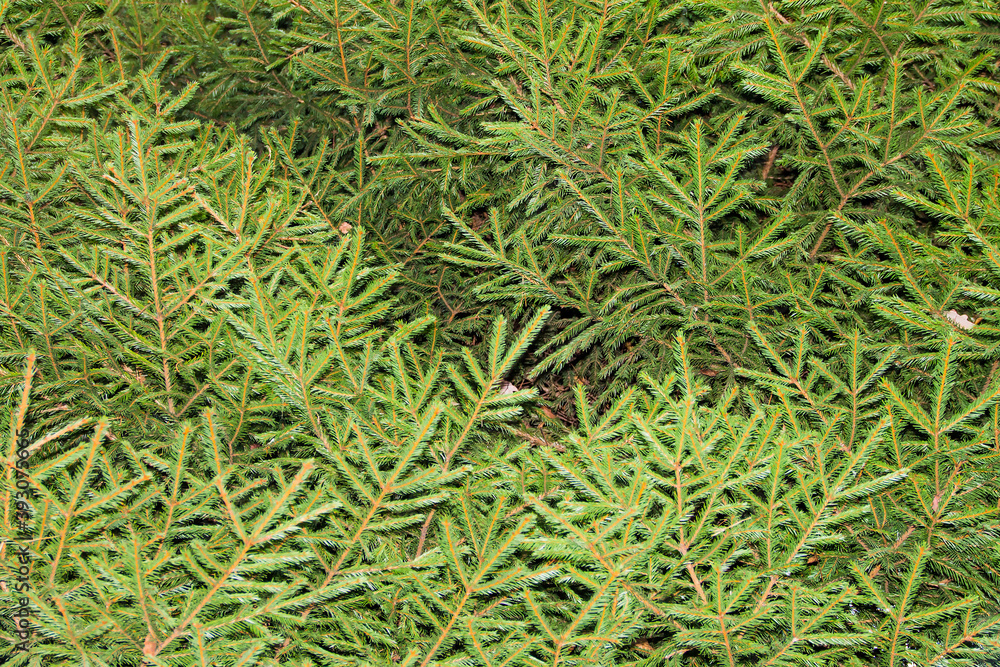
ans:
(415, 332)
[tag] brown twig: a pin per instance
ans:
(423, 535)
(770, 162)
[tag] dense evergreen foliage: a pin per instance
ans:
(568, 332)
